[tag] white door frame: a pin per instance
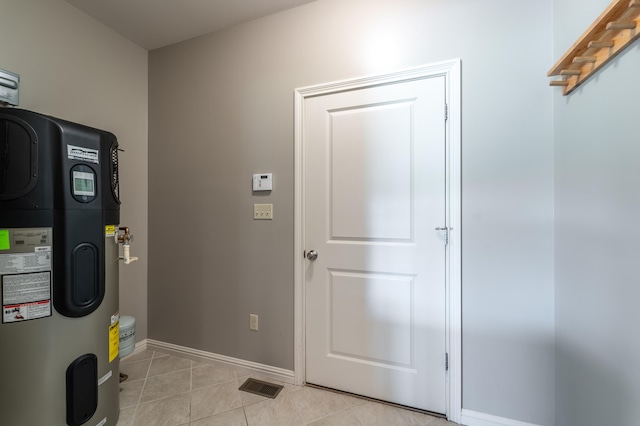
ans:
(451, 71)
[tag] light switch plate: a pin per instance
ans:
(263, 211)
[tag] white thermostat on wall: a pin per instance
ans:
(263, 182)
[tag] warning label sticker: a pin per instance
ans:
(26, 288)
(109, 230)
(114, 341)
(81, 153)
(25, 276)
(26, 296)
(26, 311)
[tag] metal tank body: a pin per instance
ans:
(59, 216)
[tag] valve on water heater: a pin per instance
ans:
(125, 238)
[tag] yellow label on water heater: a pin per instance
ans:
(114, 341)
(109, 230)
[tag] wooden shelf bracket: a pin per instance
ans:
(615, 29)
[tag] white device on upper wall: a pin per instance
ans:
(263, 182)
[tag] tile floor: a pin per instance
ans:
(166, 390)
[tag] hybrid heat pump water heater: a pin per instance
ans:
(59, 251)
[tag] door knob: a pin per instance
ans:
(312, 255)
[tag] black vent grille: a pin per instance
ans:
(266, 389)
(115, 179)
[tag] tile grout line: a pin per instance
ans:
(244, 406)
(135, 413)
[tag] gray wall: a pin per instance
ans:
(77, 69)
(221, 108)
(597, 204)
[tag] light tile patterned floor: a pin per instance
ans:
(165, 390)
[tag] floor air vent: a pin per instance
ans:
(268, 390)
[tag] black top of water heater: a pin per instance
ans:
(51, 164)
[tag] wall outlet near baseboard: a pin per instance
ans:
(253, 322)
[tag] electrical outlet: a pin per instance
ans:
(263, 211)
(253, 322)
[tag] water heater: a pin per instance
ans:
(59, 229)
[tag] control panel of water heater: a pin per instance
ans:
(83, 183)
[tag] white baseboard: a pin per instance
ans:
(274, 373)
(137, 348)
(140, 346)
(474, 418)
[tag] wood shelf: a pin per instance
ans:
(615, 29)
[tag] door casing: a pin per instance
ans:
(453, 328)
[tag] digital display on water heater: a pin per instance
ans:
(83, 184)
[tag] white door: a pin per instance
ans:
(374, 191)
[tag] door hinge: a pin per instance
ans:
(446, 112)
(445, 231)
(446, 362)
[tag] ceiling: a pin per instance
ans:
(157, 23)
